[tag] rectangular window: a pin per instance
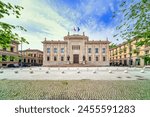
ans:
(12, 58)
(89, 50)
(96, 50)
(34, 55)
(147, 52)
(4, 49)
(12, 49)
(62, 58)
(48, 50)
(55, 50)
(48, 58)
(104, 58)
(75, 47)
(55, 58)
(89, 58)
(97, 58)
(4, 58)
(62, 50)
(104, 50)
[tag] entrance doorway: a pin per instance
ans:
(76, 58)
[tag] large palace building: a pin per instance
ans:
(76, 49)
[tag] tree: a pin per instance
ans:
(112, 45)
(6, 30)
(134, 19)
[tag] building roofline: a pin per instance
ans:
(31, 50)
(125, 42)
(54, 42)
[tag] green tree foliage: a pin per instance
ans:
(6, 29)
(134, 16)
(112, 45)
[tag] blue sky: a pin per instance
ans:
(53, 19)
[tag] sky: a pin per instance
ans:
(53, 19)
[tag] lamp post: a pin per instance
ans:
(21, 53)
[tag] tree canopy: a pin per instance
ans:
(134, 16)
(6, 29)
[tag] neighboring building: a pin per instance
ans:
(9, 55)
(76, 49)
(128, 54)
(34, 57)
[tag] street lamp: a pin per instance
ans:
(21, 53)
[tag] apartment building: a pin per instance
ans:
(128, 54)
(9, 55)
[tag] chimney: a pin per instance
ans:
(45, 38)
(68, 33)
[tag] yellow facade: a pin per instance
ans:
(32, 56)
(9, 55)
(128, 54)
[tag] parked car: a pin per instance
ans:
(13, 65)
(25, 65)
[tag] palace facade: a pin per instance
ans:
(75, 49)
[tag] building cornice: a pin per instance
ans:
(31, 50)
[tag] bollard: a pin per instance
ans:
(31, 72)
(142, 71)
(110, 71)
(47, 72)
(125, 71)
(16, 72)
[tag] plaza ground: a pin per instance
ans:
(94, 83)
(75, 90)
(74, 73)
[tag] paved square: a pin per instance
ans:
(75, 73)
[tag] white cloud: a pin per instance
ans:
(47, 20)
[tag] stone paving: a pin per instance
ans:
(74, 73)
